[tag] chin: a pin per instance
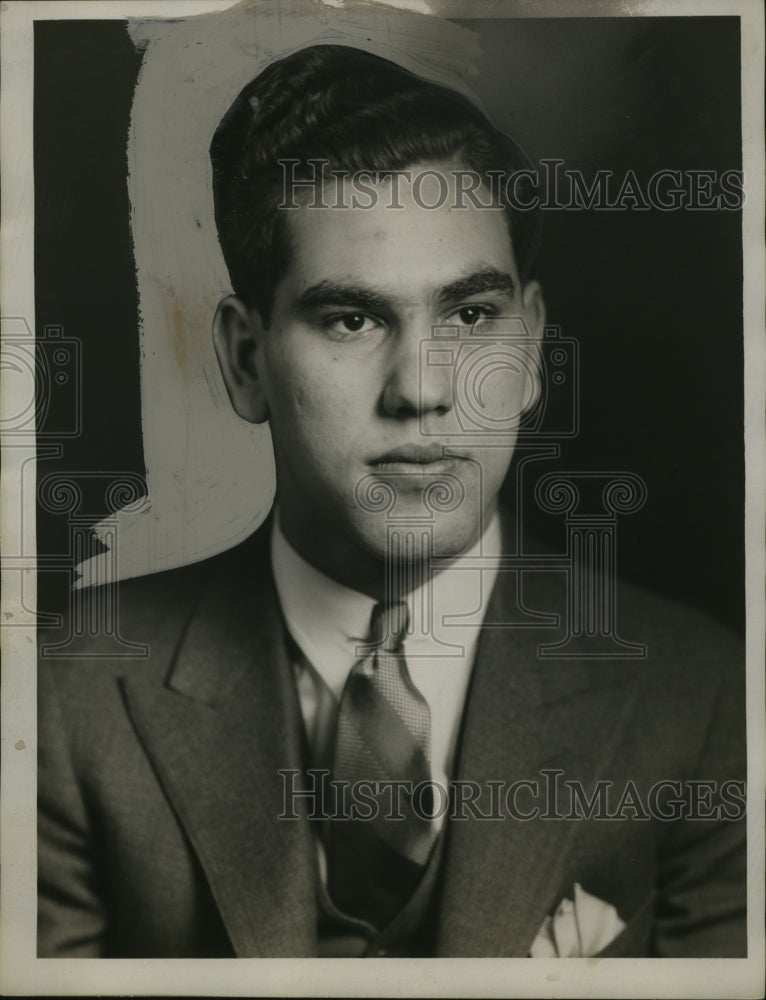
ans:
(410, 515)
(414, 540)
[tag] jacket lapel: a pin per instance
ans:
(524, 716)
(218, 734)
(227, 722)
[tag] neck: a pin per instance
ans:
(337, 557)
(351, 565)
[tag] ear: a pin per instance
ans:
(534, 317)
(237, 334)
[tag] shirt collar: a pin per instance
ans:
(329, 621)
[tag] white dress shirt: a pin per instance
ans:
(329, 621)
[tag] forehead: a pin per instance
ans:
(409, 238)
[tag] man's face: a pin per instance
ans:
(357, 418)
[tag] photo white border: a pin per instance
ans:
(21, 973)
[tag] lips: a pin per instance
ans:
(415, 458)
(416, 454)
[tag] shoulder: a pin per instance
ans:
(680, 673)
(136, 625)
(686, 652)
(657, 634)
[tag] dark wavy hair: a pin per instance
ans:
(359, 112)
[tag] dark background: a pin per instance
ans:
(654, 298)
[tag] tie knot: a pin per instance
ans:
(388, 625)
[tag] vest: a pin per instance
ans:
(409, 935)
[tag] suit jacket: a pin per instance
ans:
(159, 786)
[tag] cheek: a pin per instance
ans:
(500, 460)
(312, 403)
(494, 386)
(294, 386)
(494, 462)
(514, 389)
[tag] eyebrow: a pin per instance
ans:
(333, 293)
(489, 280)
(326, 293)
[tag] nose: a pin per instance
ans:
(414, 385)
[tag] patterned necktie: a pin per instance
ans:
(383, 736)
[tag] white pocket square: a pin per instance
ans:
(578, 929)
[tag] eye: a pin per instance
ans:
(470, 315)
(350, 324)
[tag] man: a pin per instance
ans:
(340, 745)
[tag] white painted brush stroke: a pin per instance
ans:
(210, 475)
